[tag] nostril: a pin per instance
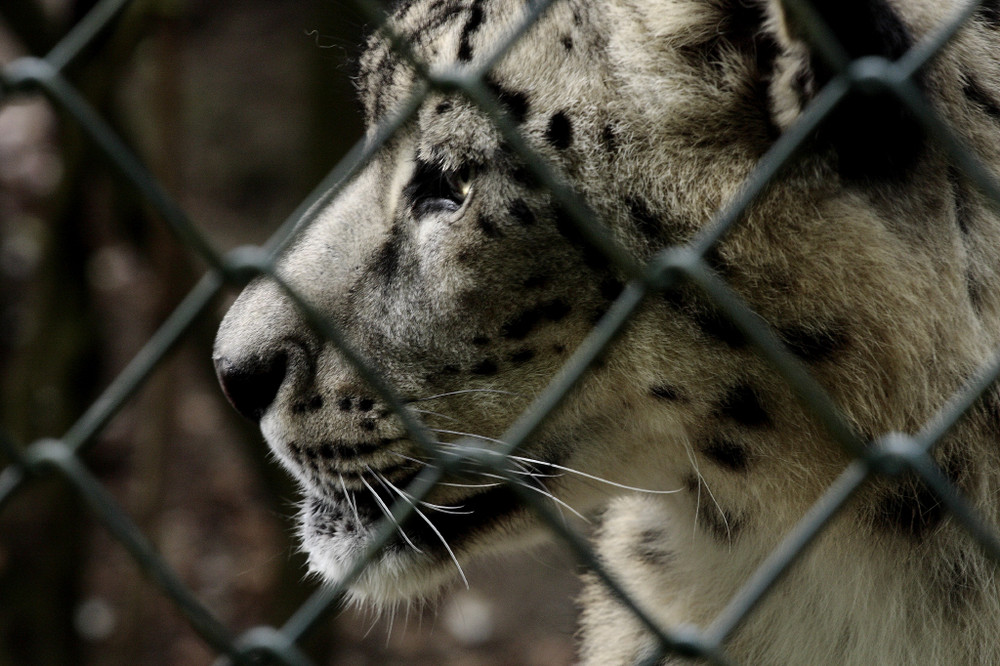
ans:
(252, 384)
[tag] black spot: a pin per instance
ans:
(597, 314)
(522, 356)
(593, 258)
(487, 226)
(611, 288)
(536, 281)
(650, 548)
(471, 26)
(609, 138)
(978, 96)
(450, 369)
(976, 292)
(485, 367)
(368, 448)
(559, 349)
(327, 451)
(717, 521)
(519, 327)
(813, 345)
(344, 404)
(567, 228)
(443, 107)
(368, 425)
(523, 176)
(385, 261)
(960, 194)
(515, 103)
(560, 131)
(711, 321)
(555, 310)
(989, 11)
(727, 453)
(715, 324)
(666, 392)
(480, 340)
(646, 222)
(311, 405)
(520, 211)
(567, 42)
(522, 324)
(366, 404)
(909, 509)
(742, 405)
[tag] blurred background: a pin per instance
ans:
(239, 107)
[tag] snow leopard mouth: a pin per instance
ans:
(341, 521)
(428, 527)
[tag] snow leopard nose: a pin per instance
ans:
(251, 384)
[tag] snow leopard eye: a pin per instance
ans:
(433, 190)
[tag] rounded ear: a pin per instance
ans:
(872, 133)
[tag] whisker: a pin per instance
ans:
(469, 434)
(542, 491)
(444, 508)
(350, 498)
(703, 483)
(452, 484)
(388, 513)
(535, 461)
(429, 524)
(522, 469)
(452, 445)
(430, 413)
(577, 472)
(464, 391)
(412, 460)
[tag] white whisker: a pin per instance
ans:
(412, 460)
(465, 391)
(534, 461)
(388, 513)
(577, 472)
(542, 491)
(522, 469)
(430, 413)
(470, 435)
(427, 520)
(350, 498)
(452, 484)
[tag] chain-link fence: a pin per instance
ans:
(890, 454)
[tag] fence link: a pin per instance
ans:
(891, 454)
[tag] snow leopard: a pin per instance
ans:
(467, 283)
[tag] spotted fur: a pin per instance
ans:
(466, 285)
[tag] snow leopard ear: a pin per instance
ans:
(872, 134)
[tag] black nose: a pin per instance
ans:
(251, 384)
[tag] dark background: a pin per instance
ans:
(239, 107)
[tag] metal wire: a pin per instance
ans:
(891, 454)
